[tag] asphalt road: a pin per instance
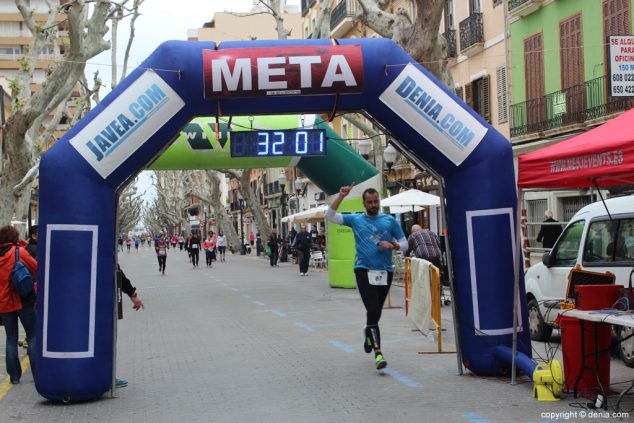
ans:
(244, 342)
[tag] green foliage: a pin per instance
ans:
(24, 65)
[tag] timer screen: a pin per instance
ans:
(289, 142)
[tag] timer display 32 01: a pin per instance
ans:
(288, 142)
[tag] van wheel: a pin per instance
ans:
(539, 330)
(626, 348)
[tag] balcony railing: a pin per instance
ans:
(514, 4)
(306, 5)
(345, 9)
(450, 36)
(524, 7)
(570, 106)
(471, 31)
(272, 188)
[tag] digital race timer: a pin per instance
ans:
(288, 142)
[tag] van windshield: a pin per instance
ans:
(610, 241)
(567, 249)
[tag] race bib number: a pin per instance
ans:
(162, 251)
(377, 277)
(194, 246)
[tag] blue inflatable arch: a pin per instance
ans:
(81, 173)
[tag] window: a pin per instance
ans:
(571, 205)
(610, 242)
(535, 214)
(449, 15)
(500, 76)
(477, 95)
(617, 18)
(567, 249)
(534, 77)
(474, 6)
(10, 53)
(497, 2)
(572, 75)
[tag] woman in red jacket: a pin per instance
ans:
(14, 307)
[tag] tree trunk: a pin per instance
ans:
(224, 225)
(251, 201)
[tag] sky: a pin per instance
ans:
(160, 21)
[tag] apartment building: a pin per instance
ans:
(559, 80)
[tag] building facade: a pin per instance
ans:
(559, 83)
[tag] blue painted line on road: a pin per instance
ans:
(260, 303)
(405, 380)
(313, 311)
(396, 341)
(360, 323)
(304, 326)
(225, 284)
(246, 296)
(235, 289)
(338, 344)
(472, 417)
(279, 313)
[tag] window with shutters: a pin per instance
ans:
(572, 75)
(480, 95)
(500, 77)
(535, 85)
(617, 18)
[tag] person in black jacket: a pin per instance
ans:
(32, 246)
(548, 234)
(130, 291)
(303, 241)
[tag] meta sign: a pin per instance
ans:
(241, 72)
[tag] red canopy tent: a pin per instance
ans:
(604, 154)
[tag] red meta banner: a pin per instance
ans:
(267, 71)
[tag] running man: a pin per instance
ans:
(374, 235)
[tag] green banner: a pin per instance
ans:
(197, 146)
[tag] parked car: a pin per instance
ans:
(598, 241)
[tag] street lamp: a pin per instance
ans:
(389, 155)
(364, 148)
(299, 185)
(282, 181)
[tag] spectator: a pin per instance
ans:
(137, 304)
(425, 245)
(13, 306)
(549, 233)
(32, 246)
(303, 242)
(273, 245)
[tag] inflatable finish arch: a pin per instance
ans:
(80, 175)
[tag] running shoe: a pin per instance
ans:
(120, 383)
(367, 345)
(380, 362)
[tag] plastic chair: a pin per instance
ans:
(316, 260)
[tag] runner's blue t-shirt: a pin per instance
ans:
(368, 231)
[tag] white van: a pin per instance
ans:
(598, 241)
